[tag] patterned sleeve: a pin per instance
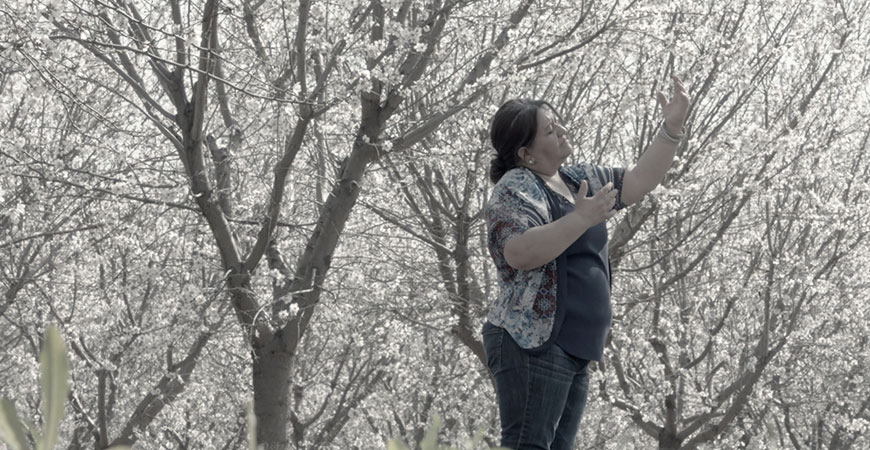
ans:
(615, 175)
(508, 213)
(598, 176)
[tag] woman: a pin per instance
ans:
(547, 237)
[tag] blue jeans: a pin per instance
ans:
(541, 397)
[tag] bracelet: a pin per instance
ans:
(663, 133)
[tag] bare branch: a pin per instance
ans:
(251, 29)
(301, 57)
(50, 234)
(402, 224)
(165, 391)
(180, 48)
(282, 168)
(128, 74)
(586, 41)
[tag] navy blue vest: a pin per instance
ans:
(583, 331)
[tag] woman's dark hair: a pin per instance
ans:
(514, 125)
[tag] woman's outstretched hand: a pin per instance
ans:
(595, 209)
(675, 109)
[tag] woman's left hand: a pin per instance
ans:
(677, 108)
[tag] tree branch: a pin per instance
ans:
(163, 393)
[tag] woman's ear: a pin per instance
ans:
(522, 153)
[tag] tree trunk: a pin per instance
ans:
(272, 372)
(669, 441)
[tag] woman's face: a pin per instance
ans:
(551, 146)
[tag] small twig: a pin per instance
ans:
(49, 234)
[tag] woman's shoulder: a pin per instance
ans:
(516, 176)
(518, 180)
(577, 172)
(594, 174)
(517, 185)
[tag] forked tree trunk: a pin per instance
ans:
(272, 371)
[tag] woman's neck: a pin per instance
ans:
(548, 175)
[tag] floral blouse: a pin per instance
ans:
(527, 299)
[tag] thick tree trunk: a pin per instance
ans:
(272, 372)
(667, 441)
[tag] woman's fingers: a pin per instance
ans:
(607, 196)
(611, 200)
(680, 90)
(609, 192)
(599, 207)
(662, 99)
(581, 193)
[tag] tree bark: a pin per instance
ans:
(272, 365)
(668, 440)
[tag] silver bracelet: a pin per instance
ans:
(663, 133)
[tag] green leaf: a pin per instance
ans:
(11, 430)
(430, 439)
(477, 438)
(252, 426)
(55, 369)
(34, 432)
(394, 444)
(119, 447)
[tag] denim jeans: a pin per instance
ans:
(541, 397)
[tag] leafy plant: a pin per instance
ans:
(430, 440)
(21, 434)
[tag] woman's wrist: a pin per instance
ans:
(665, 132)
